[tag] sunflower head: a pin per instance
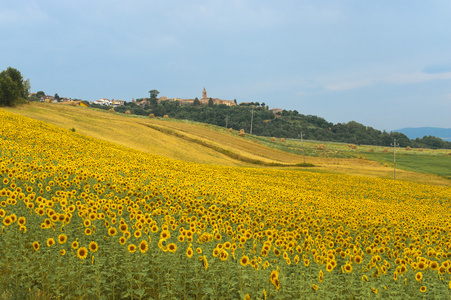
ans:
(244, 260)
(35, 246)
(7, 221)
(21, 221)
(74, 244)
(143, 246)
(358, 259)
(131, 248)
(82, 252)
(419, 276)
(433, 265)
(50, 242)
(189, 252)
(112, 231)
(348, 268)
(93, 247)
(172, 247)
(62, 238)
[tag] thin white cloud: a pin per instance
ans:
(321, 14)
(24, 13)
(350, 85)
(437, 68)
(416, 77)
(401, 78)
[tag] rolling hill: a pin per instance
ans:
(209, 144)
(419, 132)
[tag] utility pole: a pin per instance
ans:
(227, 121)
(394, 158)
(302, 144)
(252, 120)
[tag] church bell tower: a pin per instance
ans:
(204, 94)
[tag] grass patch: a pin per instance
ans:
(434, 164)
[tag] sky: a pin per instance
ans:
(384, 64)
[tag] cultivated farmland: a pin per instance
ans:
(86, 218)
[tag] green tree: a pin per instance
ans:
(196, 102)
(153, 94)
(57, 97)
(40, 94)
(153, 101)
(27, 86)
(13, 89)
(210, 102)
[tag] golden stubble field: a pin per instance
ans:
(86, 218)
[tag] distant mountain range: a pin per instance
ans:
(419, 132)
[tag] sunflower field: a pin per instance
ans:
(85, 219)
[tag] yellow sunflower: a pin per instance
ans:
(143, 246)
(82, 253)
(50, 242)
(172, 247)
(93, 247)
(131, 248)
(224, 255)
(62, 238)
(35, 246)
(112, 231)
(7, 221)
(74, 244)
(189, 252)
(419, 276)
(21, 221)
(348, 268)
(244, 260)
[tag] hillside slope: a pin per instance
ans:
(166, 138)
(199, 143)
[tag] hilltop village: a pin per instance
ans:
(204, 100)
(252, 117)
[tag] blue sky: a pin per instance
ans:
(385, 64)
